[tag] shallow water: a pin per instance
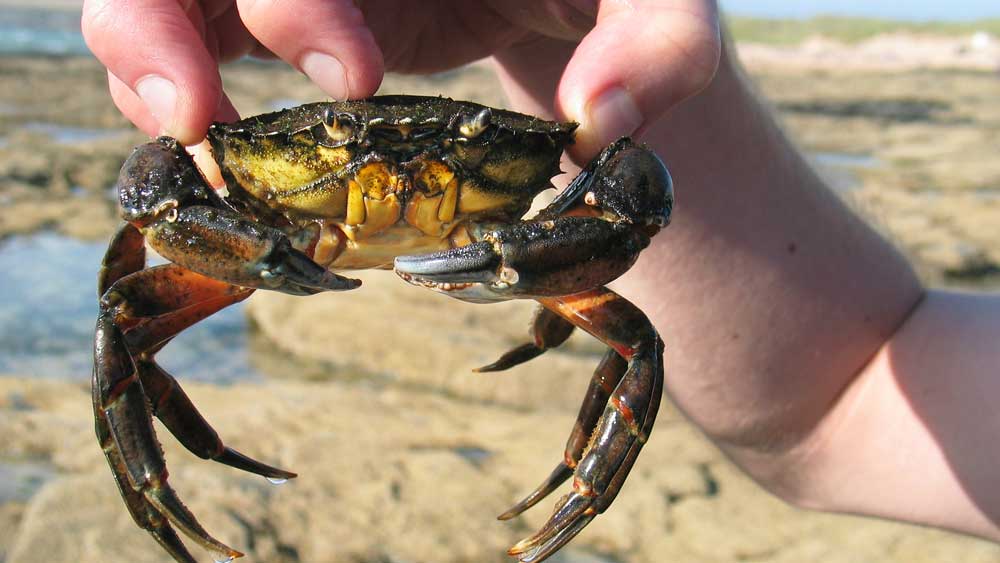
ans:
(847, 160)
(20, 480)
(48, 305)
(37, 30)
(68, 135)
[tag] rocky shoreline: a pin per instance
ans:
(403, 454)
(390, 474)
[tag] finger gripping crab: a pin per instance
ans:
(431, 187)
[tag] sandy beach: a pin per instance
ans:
(403, 454)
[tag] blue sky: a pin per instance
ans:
(915, 10)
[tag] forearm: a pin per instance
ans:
(912, 438)
(770, 293)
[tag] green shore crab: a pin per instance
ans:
(431, 187)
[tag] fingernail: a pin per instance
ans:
(613, 114)
(327, 72)
(160, 97)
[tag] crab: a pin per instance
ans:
(431, 187)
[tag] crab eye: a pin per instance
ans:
(339, 127)
(473, 126)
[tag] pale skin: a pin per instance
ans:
(797, 339)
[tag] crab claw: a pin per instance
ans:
(627, 183)
(469, 273)
(224, 245)
(474, 263)
(531, 259)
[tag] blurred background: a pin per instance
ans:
(403, 454)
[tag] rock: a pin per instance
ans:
(409, 336)
(411, 475)
(10, 520)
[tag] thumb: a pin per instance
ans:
(640, 59)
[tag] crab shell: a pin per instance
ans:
(391, 173)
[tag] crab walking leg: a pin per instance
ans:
(622, 428)
(125, 430)
(126, 254)
(188, 298)
(154, 305)
(175, 410)
(140, 312)
(548, 330)
(606, 377)
(194, 297)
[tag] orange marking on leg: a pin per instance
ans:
(606, 385)
(576, 309)
(583, 488)
(588, 300)
(118, 389)
(627, 414)
(568, 460)
(163, 398)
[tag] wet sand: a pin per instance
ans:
(403, 454)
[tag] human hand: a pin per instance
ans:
(631, 60)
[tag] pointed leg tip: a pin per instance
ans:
(507, 515)
(527, 544)
(233, 458)
(228, 556)
(515, 550)
(282, 474)
(517, 509)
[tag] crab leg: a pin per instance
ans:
(125, 431)
(126, 254)
(606, 377)
(169, 403)
(154, 303)
(621, 429)
(548, 330)
(140, 312)
(175, 410)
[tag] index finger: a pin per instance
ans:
(153, 48)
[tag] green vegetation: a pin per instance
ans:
(848, 30)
